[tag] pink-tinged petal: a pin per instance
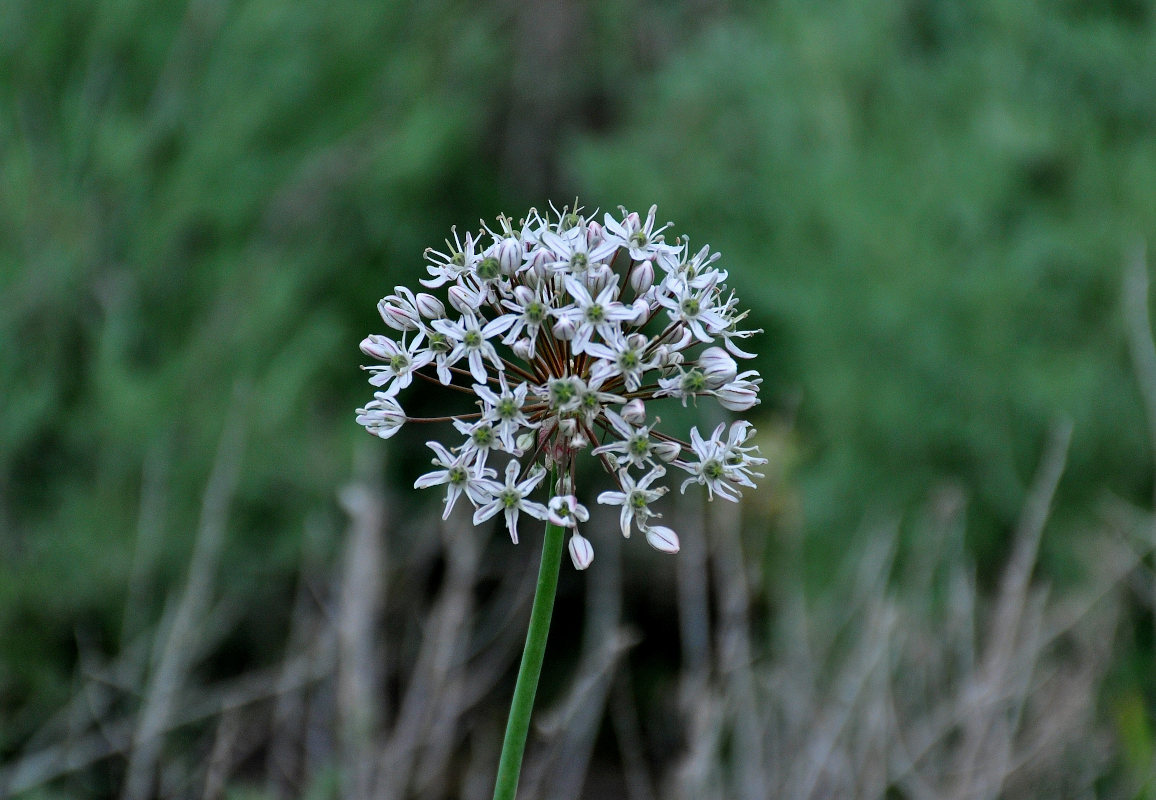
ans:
(581, 552)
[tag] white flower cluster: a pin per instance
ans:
(563, 328)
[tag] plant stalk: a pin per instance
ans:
(518, 726)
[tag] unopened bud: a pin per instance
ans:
(642, 276)
(666, 451)
(634, 412)
(509, 254)
(463, 299)
(668, 356)
(525, 441)
(581, 551)
(718, 367)
(684, 340)
(594, 234)
(662, 538)
(374, 345)
(397, 317)
(523, 348)
(598, 277)
(429, 306)
(641, 309)
(565, 328)
(536, 267)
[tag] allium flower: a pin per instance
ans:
(556, 326)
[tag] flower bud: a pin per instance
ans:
(429, 306)
(642, 276)
(463, 299)
(667, 356)
(718, 367)
(565, 328)
(662, 538)
(523, 349)
(641, 310)
(374, 346)
(666, 451)
(598, 277)
(397, 316)
(581, 551)
(525, 441)
(536, 267)
(509, 254)
(684, 340)
(634, 412)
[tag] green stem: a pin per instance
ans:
(518, 727)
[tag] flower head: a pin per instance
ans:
(566, 331)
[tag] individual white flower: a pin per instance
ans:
(459, 475)
(694, 308)
(566, 511)
(709, 467)
(738, 456)
(458, 260)
(634, 445)
(572, 250)
(593, 399)
(635, 499)
(471, 340)
(381, 416)
(480, 440)
(624, 356)
(401, 361)
(506, 410)
(687, 383)
(510, 498)
(602, 314)
(641, 239)
(564, 394)
(741, 394)
(531, 310)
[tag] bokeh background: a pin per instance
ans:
(214, 584)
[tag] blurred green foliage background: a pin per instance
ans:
(927, 204)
